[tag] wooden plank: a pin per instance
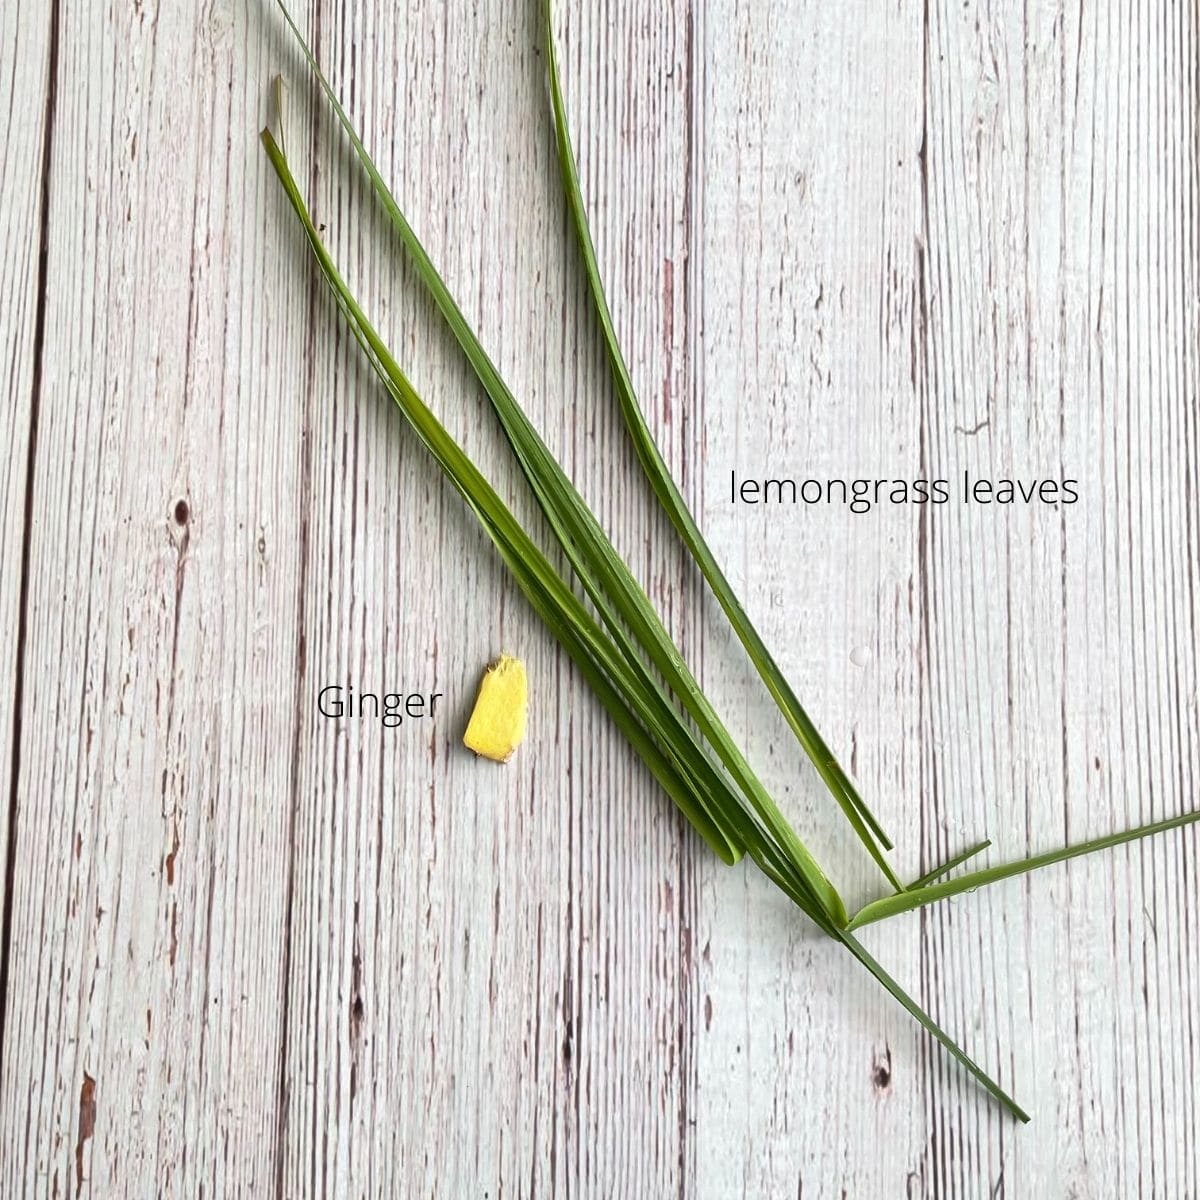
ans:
(1030, 678)
(485, 962)
(145, 967)
(1062, 323)
(24, 98)
(810, 306)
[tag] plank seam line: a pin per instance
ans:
(35, 395)
(283, 1090)
(687, 1022)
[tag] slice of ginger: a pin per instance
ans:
(497, 725)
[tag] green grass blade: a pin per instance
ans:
(919, 1014)
(949, 865)
(863, 821)
(906, 1001)
(891, 906)
(609, 583)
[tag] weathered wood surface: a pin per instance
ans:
(251, 951)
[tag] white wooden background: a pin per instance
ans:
(249, 951)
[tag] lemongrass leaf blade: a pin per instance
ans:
(891, 906)
(889, 983)
(865, 824)
(914, 1010)
(949, 865)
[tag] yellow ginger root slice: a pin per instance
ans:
(497, 726)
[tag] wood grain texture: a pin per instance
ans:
(255, 951)
(25, 67)
(985, 264)
(144, 961)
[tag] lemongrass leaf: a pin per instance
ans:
(865, 825)
(728, 828)
(949, 865)
(891, 906)
(925, 1019)
(918, 1013)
